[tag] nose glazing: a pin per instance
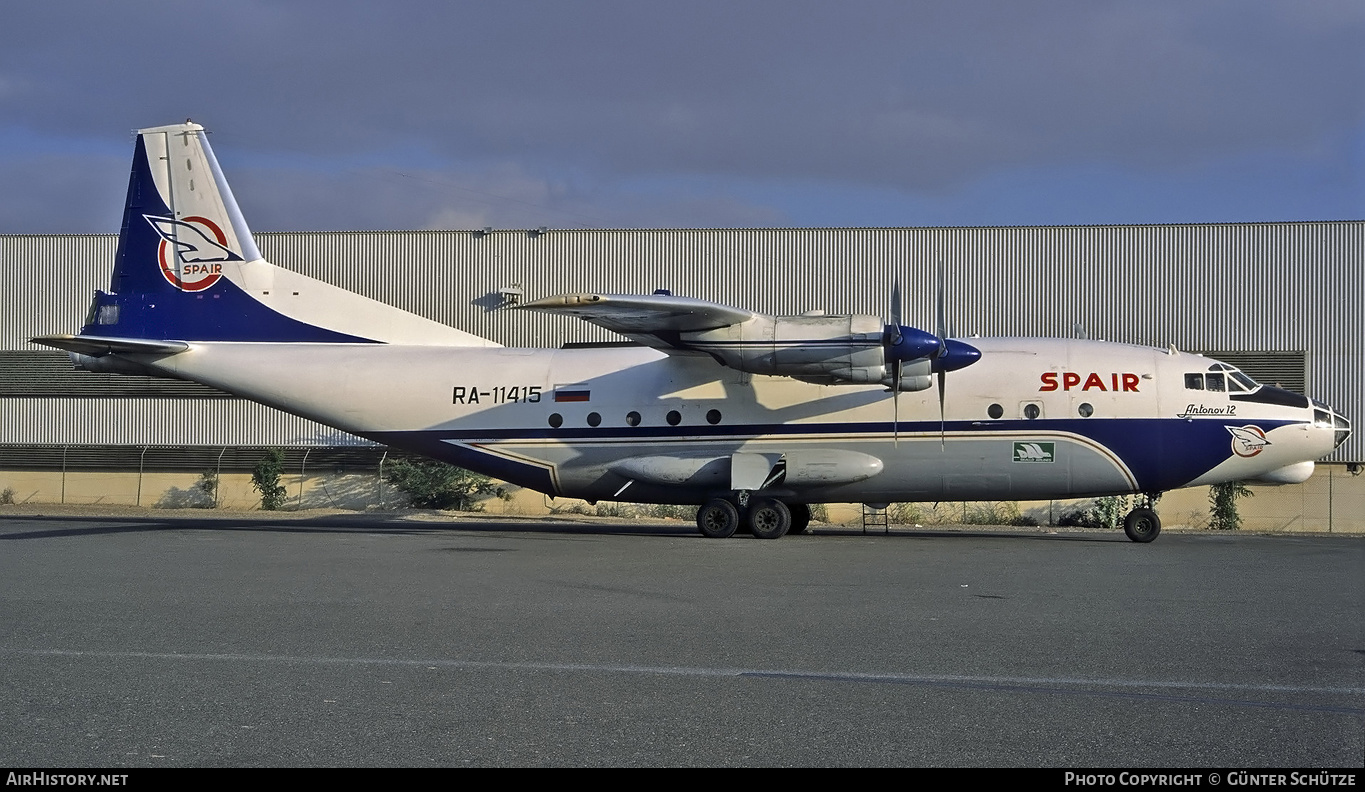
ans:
(1342, 429)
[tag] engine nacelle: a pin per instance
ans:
(821, 349)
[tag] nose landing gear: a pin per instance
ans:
(1142, 525)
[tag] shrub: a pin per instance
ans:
(1223, 514)
(208, 484)
(571, 507)
(1103, 513)
(670, 511)
(435, 485)
(613, 509)
(992, 513)
(7, 497)
(265, 479)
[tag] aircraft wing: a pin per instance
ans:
(97, 346)
(652, 319)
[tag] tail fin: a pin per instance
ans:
(187, 268)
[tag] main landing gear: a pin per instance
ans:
(766, 518)
(1142, 524)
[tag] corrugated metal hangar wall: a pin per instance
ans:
(1280, 299)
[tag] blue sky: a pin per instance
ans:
(747, 113)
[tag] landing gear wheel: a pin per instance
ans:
(800, 518)
(1142, 525)
(717, 519)
(769, 518)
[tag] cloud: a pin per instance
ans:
(503, 196)
(53, 194)
(923, 99)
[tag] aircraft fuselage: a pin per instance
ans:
(1034, 419)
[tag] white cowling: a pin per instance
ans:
(813, 468)
(823, 349)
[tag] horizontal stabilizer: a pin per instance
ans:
(96, 346)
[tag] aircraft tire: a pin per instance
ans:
(769, 518)
(800, 517)
(717, 519)
(1142, 525)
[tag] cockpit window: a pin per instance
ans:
(1249, 383)
(1194, 381)
(1215, 382)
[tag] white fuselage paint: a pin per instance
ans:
(490, 409)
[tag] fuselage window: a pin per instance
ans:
(1215, 382)
(1194, 381)
(556, 420)
(1032, 411)
(995, 411)
(1086, 409)
(674, 417)
(594, 419)
(713, 416)
(633, 418)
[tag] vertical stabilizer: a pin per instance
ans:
(188, 269)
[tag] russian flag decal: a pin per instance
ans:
(572, 393)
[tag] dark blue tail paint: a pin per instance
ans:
(143, 303)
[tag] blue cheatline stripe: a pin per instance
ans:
(1162, 454)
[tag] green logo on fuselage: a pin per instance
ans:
(1035, 451)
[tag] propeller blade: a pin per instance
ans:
(896, 405)
(896, 337)
(897, 302)
(895, 417)
(942, 422)
(941, 329)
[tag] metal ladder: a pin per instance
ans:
(873, 518)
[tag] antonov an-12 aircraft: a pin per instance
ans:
(752, 417)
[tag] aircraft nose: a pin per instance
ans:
(1326, 417)
(1342, 428)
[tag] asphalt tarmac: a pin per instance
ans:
(336, 640)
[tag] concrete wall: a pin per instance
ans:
(1332, 501)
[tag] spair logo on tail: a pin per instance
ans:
(192, 251)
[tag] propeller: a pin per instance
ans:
(897, 338)
(941, 326)
(952, 356)
(902, 344)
